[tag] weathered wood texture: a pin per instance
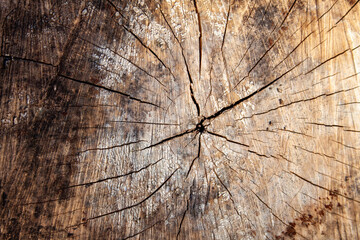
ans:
(180, 119)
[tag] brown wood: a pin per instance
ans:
(170, 119)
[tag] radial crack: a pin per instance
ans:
(169, 138)
(287, 14)
(257, 63)
(197, 157)
(136, 204)
(147, 228)
(109, 89)
(298, 101)
(147, 123)
(229, 140)
(191, 82)
(182, 219)
(347, 12)
(288, 55)
(324, 188)
(228, 191)
(115, 177)
(226, 24)
(327, 60)
(111, 147)
(9, 58)
(200, 36)
(224, 109)
(259, 154)
(138, 38)
(327, 156)
(270, 209)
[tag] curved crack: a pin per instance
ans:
(186, 65)
(87, 184)
(136, 204)
(109, 90)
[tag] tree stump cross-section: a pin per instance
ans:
(189, 119)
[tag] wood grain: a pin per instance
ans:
(196, 119)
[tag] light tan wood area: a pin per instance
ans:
(194, 119)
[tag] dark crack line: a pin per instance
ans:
(182, 219)
(243, 56)
(194, 99)
(116, 9)
(288, 55)
(191, 82)
(111, 147)
(229, 140)
(118, 54)
(347, 12)
(322, 15)
(352, 130)
(128, 60)
(325, 125)
(224, 109)
(108, 89)
(268, 207)
(138, 38)
(294, 132)
(288, 13)
(145, 229)
(258, 154)
(248, 74)
(272, 213)
(87, 184)
(349, 103)
(222, 52)
(324, 155)
(324, 188)
(228, 191)
(256, 64)
(226, 25)
(147, 47)
(210, 82)
(197, 157)
(298, 101)
(282, 157)
(169, 138)
(136, 204)
(9, 58)
(347, 146)
(327, 60)
(45, 201)
(147, 123)
(200, 36)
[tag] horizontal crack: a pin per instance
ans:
(224, 109)
(298, 101)
(9, 58)
(147, 123)
(111, 147)
(324, 188)
(229, 140)
(169, 138)
(108, 89)
(114, 177)
(136, 204)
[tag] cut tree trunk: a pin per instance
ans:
(170, 119)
